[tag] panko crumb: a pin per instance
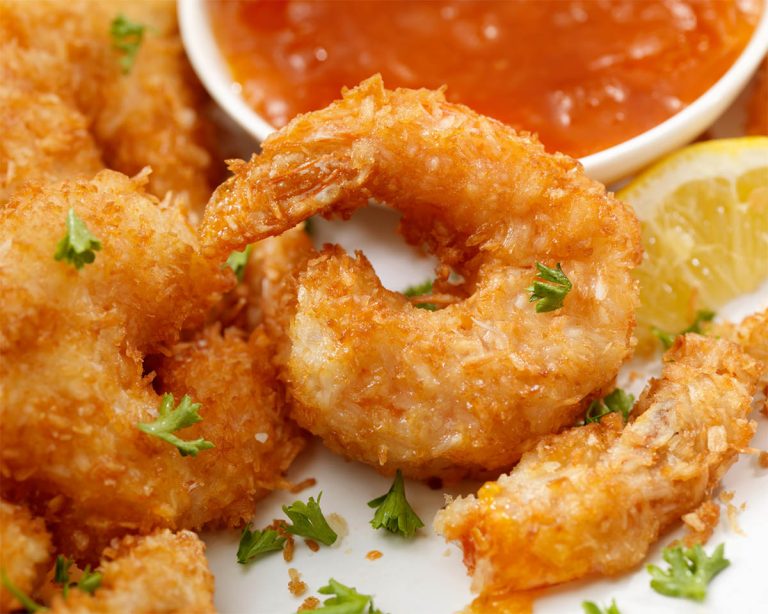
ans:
(312, 545)
(701, 523)
(304, 484)
(338, 524)
(732, 511)
(373, 555)
(279, 525)
(310, 603)
(762, 459)
(295, 584)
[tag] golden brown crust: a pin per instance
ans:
(25, 551)
(162, 573)
(466, 388)
(593, 499)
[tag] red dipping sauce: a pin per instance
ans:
(585, 75)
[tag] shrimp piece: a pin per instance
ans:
(593, 499)
(160, 573)
(757, 107)
(147, 117)
(468, 387)
(25, 552)
(75, 385)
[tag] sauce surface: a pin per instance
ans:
(584, 75)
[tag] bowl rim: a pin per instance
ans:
(607, 165)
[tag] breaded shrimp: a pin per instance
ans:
(25, 551)
(593, 499)
(468, 387)
(74, 384)
(162, 573)
(757, 107)
(147, 117)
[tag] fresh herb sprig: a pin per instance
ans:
(667, 339)
(393, 512)
(237, 261)
(308, 521)
(127, 37)
(29, 604)
(421, 290)
(171, 420)
(617, 401)
(255, 543)
(78, 245)
(345, 600)
(590, 607)
(549, 288)
(689, 573)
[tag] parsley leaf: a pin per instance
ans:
(346, 601)
(25, 600)
(394, 513)
(78, 244)
(590, 607)
(616, 401)
(308, 521)
(61, 573)
(690, 571)
(550, 289)
(667, 338)
(237, 261)
(89, 581)
(419, 290)
(127, 37)
(171, 420)
(254, 543)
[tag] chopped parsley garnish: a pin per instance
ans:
(89, 581)
(127, 37)
(309, 227)
(61, 573)
(346, 600)
(616, 401)
(667, 338)
(254, 543)
(420, 290)
(25, 600)
(78, 245)
(394, 513)
(171, 420)
(690, 571)
(308, 521)
(237, 261)
(549, 288)
(592, 608)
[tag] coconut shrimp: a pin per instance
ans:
(25, 552)
(465, 388)
(163, 572)
(593, 499)
(75, 383)
(147, 116)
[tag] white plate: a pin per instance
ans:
(426, 575)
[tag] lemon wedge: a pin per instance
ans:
(704, 216)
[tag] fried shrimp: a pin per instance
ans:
(75, 386)
(145, 116)
(25, 552)
(593, 499)
(159, 573)
(467, 387)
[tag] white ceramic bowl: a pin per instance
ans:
(607, 166)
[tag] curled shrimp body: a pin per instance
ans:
(463, 389)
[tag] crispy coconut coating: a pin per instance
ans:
(25, 551)
(162, 573)
(757, 108)
(74, 385)
(465, 388)
(148, 117)
(593, 499)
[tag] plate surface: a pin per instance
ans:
(426, 575)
